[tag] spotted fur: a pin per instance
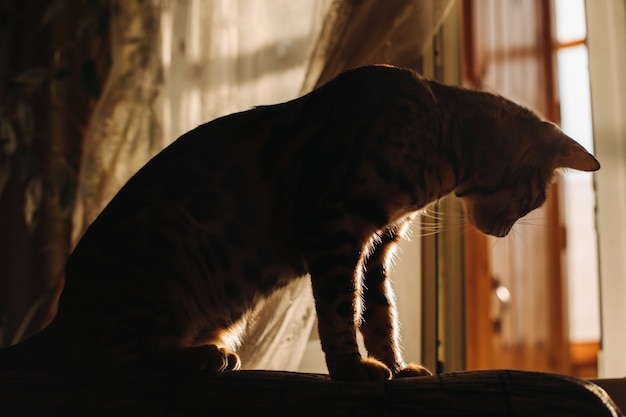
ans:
(325, 184)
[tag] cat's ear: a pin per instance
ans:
(570, 154)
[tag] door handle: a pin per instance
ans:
(503, 300)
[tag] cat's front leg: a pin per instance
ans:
(334, 261)
(335, 306)
(379, 326)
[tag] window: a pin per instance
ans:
(579, 196)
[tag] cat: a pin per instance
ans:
(325, 185)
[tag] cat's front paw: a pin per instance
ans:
(365, 369)
(412, 370)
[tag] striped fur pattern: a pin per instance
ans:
(325, 184)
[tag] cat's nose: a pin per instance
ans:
(501, 230)
(501, 233)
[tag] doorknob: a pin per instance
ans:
(503, 299)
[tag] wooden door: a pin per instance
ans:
(515, 299)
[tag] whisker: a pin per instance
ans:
(426, 233)
(516, 234)
(533, 222)
(432, 220)
(445, 218)
(498, 242)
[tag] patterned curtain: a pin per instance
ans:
(177, 64)
(124, 130)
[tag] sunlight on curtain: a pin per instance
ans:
(359, 33)
(226, 56)
(177, 64)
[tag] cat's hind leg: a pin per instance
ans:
(204, 358)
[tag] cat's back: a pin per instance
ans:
(260, 168)
(208, 159)
(270, 159)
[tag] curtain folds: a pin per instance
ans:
(124, 130)
(357, 33)
(177, 64)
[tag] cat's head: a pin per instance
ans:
(511, 178)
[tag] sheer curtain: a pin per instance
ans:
(177, 64)
(356, 33)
